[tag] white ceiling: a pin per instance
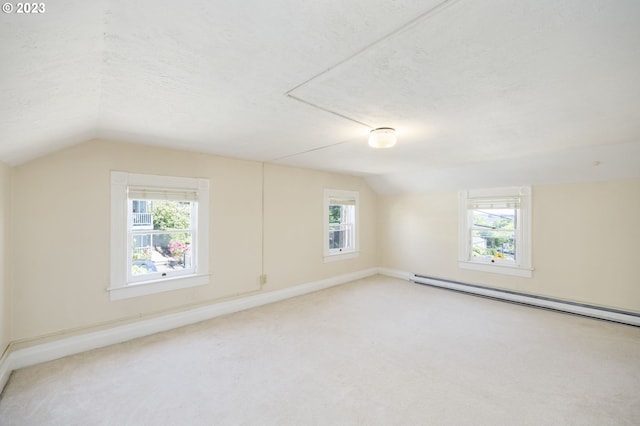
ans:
(481, 93)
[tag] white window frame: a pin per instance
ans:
(331, 255)
(121, 286)
(522, 267)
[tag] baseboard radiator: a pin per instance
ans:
(615, 315)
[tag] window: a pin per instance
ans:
(495, 230)
(159, 233)
(341, 225)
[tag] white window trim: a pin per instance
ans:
(332, 256)
(119, 287)
(523, 267)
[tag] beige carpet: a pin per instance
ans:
(377, 351)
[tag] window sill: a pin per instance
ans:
(151, 287)
(341, 256)
(518, 271)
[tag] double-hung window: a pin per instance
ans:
(495, 230)
(159, 237)
(340, 224)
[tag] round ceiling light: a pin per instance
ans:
(382, 137)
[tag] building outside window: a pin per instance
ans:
(341, 224)
(495, 230)
(161, 237)
(159, 232)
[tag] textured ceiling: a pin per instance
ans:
(481, 93)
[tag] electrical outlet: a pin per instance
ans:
(263, 279)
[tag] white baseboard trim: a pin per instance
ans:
(394, 273)
(13, 360)
(615, 315)
(75, 344)
(5, 370)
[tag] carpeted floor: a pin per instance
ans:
(378, 351)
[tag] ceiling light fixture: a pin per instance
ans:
(382, 137)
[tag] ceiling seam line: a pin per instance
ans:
(307, 151)
(325, 110)
(328, 110)
(439, 7)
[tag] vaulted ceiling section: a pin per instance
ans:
(481, 93)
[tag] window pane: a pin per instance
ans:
(159, 241)
(336, 236)
(161, 252)
(494, 218)
(342, 227)
(161, 215)
(341, 236)
(494, 244)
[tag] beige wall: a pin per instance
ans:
(585, 242)
(5, 297)
(294, 233)
(61, 207)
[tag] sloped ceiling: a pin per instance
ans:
(481, 93)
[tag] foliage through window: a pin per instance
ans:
(341, 222)
(495, 230)
(159, 233)
(161, 238)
